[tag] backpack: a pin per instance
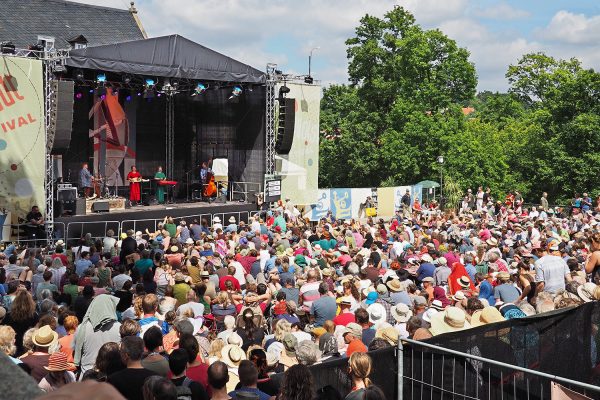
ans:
(482, 268)
(184, 392)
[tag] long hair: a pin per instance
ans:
(108, 360)
(297, 384)
(23, 306)
(360, 365)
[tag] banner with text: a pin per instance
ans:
(22, 135)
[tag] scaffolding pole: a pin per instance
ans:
(270, 119)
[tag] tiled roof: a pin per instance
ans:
(21, 21)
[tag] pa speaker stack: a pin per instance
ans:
(61, 121)
(285, 127)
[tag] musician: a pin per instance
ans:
(85, 180)
(160, 190)
(135, 188)
(204, 172)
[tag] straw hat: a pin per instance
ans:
(234, 339)
(57, 362)
(395, 285)
(232, 355)
(401, 312)
(450, 320)
(179, 277)
(488, 315)
(492, 242)
(174, 249)
(586, 291)
(389, 334)
(353, 328)
(464, 281)
(44, 337)
(459, 296)
(326, 272)
(437, 305)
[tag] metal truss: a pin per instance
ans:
(271, 133)
(51, 59)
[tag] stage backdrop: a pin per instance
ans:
(22, 135)
(300, 168)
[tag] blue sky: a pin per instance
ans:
(496, 33)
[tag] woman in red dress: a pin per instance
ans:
(134, 187)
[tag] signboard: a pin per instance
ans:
(272, 189)
(22, 135)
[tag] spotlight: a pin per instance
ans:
(200, 88)
(60, 69)
(309, 79)
(91, 90)
(128, 98)
(127, 79)
(235, 93)
(159, 94)
(101, 78)
(78, 95)
(7, 47)
(79, 75)
(283, 90)
(149, 88)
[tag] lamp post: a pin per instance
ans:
(440, 161)
(310, 58)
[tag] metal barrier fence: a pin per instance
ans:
(71, 232)
(242, 190)
(429, 371)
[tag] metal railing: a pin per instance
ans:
(76, 230)
(19, 235)
(429, 371)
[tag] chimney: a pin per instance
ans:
(137, 20)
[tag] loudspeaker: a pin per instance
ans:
(101, 206)
(79, 207)
(285, 128)
(61, 121)
(66, 195)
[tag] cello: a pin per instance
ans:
(211, 187)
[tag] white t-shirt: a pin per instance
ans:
(197, 308)
(240, 274)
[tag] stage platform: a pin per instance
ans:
(140, 218)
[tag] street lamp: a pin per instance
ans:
(440, 161)
(310, 58)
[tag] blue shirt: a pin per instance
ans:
(425, 270)
(323, 309)
(85, 178)
(471, 270)
(261, 395)
(81, 265)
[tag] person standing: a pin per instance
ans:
(85, 180)
(544, 202)
(480, 195)
(406, 204)
(135, 191)
(160, 189)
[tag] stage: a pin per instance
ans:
(140, 218)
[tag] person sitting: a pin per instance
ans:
(130, 380)
(178, 362)
(248, 381)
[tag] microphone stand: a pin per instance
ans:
(187, 181)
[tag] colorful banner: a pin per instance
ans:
(341, 203)
(321, 207)
(359, 198)
(22, 135)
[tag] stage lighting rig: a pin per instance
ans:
(237, 90)
(199, 89)
(7, 47)
(168, 88)
(284, 90)
(149, 88)
(101, 82)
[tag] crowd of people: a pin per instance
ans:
(243, 310)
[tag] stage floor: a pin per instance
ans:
(140, 218)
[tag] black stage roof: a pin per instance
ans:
(166, 56)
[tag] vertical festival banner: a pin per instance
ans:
(321, 207)
(22, 135)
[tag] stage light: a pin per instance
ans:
(101, 78)
(7, 47)
(200, 88)
(60, 69)
(283, 90)
(128, 98)
(159, 94)
(236, 91)
(150, 82)
(115, 92)
(127, 79)
(79, 75)
(103, 96)
(91, 90)
(139, 94)
(149, 88)
(78, 95)
(309, 79)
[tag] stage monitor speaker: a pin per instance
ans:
(101, 206)
(80, 206)
(62, 115)
(285, 128)
(66, 195)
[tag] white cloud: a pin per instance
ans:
(567, 27)
(432, 12)
(500, 11)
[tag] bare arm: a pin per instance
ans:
(591, 262)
